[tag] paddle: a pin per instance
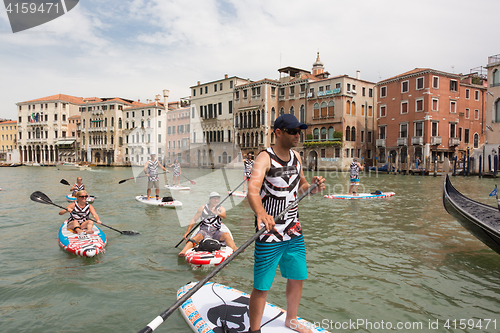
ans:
(162, 317)
(65, 182)
(124, 180)
(40, 197)
(192, 181)
(216, 207)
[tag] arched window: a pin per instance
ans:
(302, 114)
(324, 110)
(249, 119)
(241, 120)
(476, 140)
(292, 110)
(112, 121)
(330, 133)
(323, 133)
(263, 121)
(348, 133)
(105, 122)
(262, 137)
(245, 120)
(316, 110)
(353, 108)
(254, 119)
(331, 109)
(273, 116)
(348, 108)
(353, 133)
(282, 111)
(316, 134)
(258, 118)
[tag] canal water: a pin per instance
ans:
(400, 262)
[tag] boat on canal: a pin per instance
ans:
(481, 220)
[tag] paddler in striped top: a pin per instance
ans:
(151, 170)
(277, 180)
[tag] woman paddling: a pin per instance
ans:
(79, 212)
(79, 186)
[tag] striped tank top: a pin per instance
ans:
(279, 189)
(354, 170)
(153, 170)
(248, 167)
(177, 169)
(78, 188)
(209, 220)
(79, 214)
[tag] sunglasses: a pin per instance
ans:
(83, 196)
(291, 131)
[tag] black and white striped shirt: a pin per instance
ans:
(279, 189)
(79, 214)
(209, 220)
(153, 170)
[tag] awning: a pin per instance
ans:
(67, 142)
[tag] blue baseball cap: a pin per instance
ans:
(288, 121)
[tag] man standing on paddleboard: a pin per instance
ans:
(355, 168)
(151, 170)
(277, 180)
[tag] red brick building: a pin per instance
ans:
(429, 114)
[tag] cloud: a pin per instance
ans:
(136, 48)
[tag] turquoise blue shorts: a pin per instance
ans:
(354, 181)
(290, 255)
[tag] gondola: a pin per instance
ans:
(481, 220)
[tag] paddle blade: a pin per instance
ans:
(40, 197)
(124, 180)
(65, 182)
(193, 182)
(130, 233)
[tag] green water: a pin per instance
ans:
(397, 260)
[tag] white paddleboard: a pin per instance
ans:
(238, 194)
(158, 202)
(177, 188)
(205, 309)
(360, 196)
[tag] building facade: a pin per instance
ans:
(212, 129)
(492, 114)
(43, 127)
(428, 114)
(145, 131)
(8, 142)
(177, 138)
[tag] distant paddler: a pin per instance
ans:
(151, 170)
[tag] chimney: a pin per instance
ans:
(225, 76)
(157, 99)
(165, 98)
(199, 82)
(358, 75)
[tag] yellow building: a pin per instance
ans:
(8, 142)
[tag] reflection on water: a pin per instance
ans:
(399, 259)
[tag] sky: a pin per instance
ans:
(136, 48)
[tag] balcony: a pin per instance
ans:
(402, 141)
(381, 143)
(417, 140)
(435, 140)
(453, 142)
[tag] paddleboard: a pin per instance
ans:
(177, 188)
(360, 196)
(157, 202)
(238, 194)
(88, 245)
(215, 302)
(71, 198)
(205, 258)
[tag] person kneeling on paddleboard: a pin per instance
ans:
(211, 217)
(79, 212)
(79, 186)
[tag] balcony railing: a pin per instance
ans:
(453, 142)
(417, 140)
(435, 140)
(402, 141)
(381, 142)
